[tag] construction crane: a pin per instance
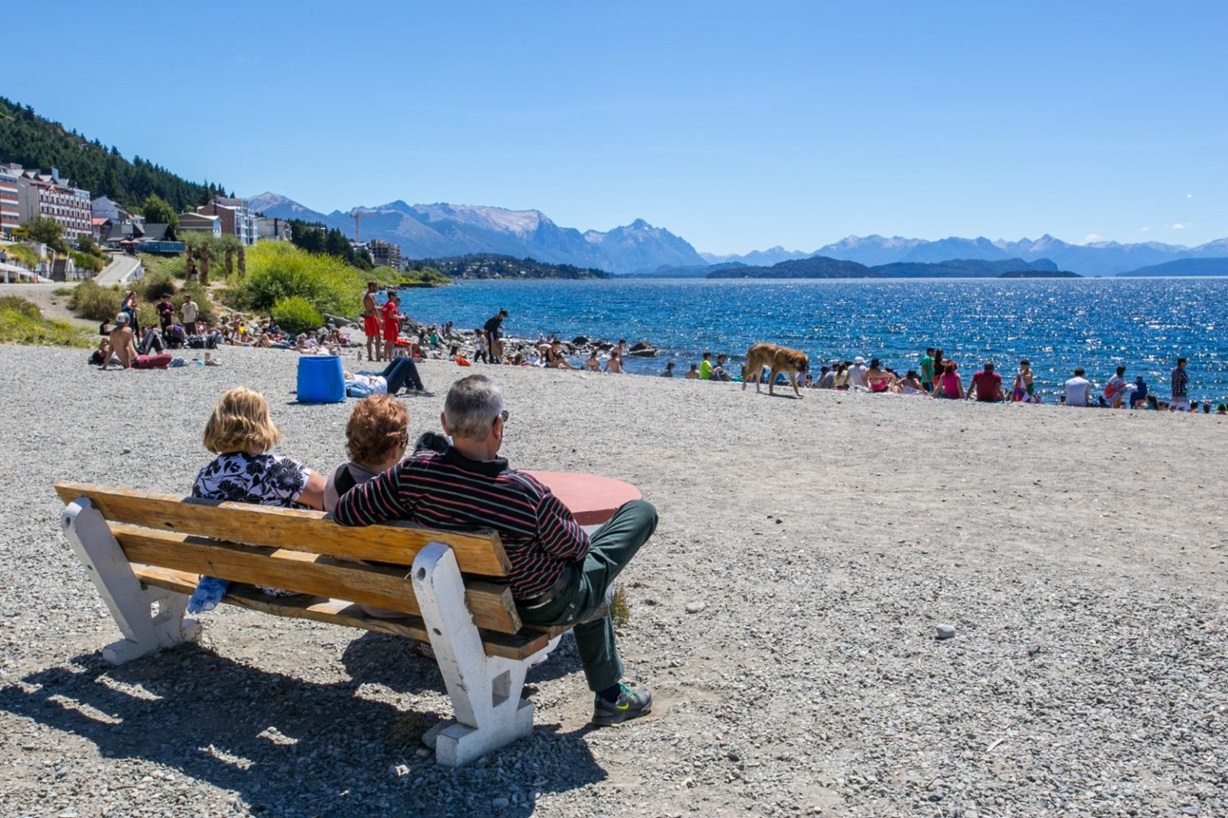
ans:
(360, 214)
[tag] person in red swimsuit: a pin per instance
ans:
(370, 323)
(392, 327)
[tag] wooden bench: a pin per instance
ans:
(146, 551)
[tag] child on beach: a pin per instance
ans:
(241, 433)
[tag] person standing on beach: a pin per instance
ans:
(493, 329)
(559, 575)
(166, 313)
(1181, 382)
(190, 314)
(391, 315)
(1078, 390)
(370, 323)
(927, 368)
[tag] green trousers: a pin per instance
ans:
(613, 546)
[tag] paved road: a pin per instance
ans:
(121, 270)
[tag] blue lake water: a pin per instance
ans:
(1058, 324)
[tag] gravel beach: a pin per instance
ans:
(785, 613)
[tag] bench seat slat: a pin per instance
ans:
(382, 586)
(298, 530)
(342, 612)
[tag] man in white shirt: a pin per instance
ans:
(857, 373)
(1078, 389)
(190, 314)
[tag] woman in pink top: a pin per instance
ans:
(949, 383)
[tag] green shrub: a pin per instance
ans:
(21, 322)
(85, 261)
(20, 306)
(156, 285)
(95, 303)
(295, 314)
(277, 270)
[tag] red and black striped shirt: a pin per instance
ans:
(451, 492)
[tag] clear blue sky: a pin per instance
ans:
(737, 126)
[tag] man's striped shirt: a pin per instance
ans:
(451, 492)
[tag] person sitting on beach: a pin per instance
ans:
(719, 372)
(692, 374)
(668, 372)
(592, 363)
(910, 384)
(841, 379)
(940, 367)
(241, 433)
(559, 576)
(122, 344)
(103, 355)
(614, 364)
(826, 380)
(1078, 390)
(554, 356)
(949, 383)
(986, 385)
(376, 439)
(1221, 408)
(1116, 390)
(857, 373)
(1138, 398)
(876, 380)
(1024, 385)
(705, 366)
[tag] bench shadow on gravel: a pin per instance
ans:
(287, 746)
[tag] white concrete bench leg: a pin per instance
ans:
(149, 618)
(485, 690)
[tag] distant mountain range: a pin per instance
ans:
(445, 230)
(1097, 258)
(824, 267)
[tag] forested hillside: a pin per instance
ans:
(489, 265)
(37, 143)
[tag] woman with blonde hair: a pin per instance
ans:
(241, 433)
(376, 439)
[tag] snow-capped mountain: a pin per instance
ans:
(442, 229)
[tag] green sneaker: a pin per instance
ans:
(631, 704)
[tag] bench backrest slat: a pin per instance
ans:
(310, 531)
(383, 586)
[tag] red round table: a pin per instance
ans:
(591, 498)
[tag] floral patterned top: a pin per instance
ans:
(262, 479)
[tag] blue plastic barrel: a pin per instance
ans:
(320, 379)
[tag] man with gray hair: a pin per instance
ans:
(559, 576)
